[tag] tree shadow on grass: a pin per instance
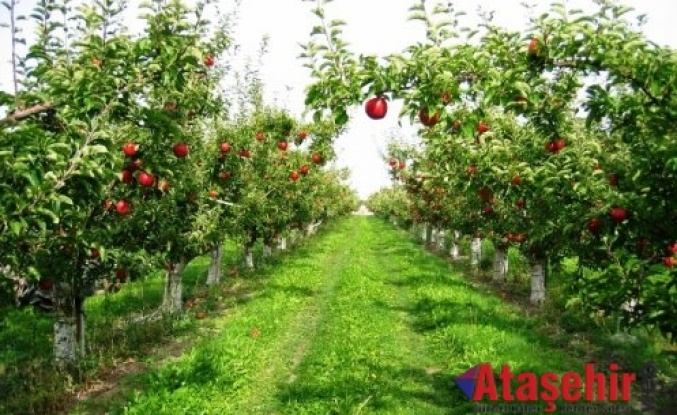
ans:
(393, 388)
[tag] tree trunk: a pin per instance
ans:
(501, 264)
(172, 302)
(248, 257)
(80, 325)
(65, 340)
(455, 251)
(267, 250)
(282, 244)
(537, 282)
(440, 239)
(424, 230)
(476, 252)
(428, 234)
(214, 273)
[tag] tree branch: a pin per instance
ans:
(27, 112)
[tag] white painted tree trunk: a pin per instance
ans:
(537, 282)
(248, 258)
(65, 340)
(424, 232)
(441, 239)
(214, 273)
(282, 244)
(267, 251)
(476, 252)
(455, 250)
(501, 264)
(171, 303)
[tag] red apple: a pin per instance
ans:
(510, 237)
(317, 159)
(126, 176)
(120, 274)
(95, 253)
(472, 169)
(618, 214)
(594, 225)
(560, 144)
(46, 284)
(224, 175)
(520, 203)
(123, 208)
(393, 163)
(488, 210)
(170, 106)
(213, 194)
(613, 180)
(446, 98)
(376, 108)
(145, 179)
(260, 136)
(428, 120)
(245, 153)
(135, 165)
(519, 238)
(304, 170)
(551, 147)
(294, 176)
(672, 248)
(209, 60)
(533, 46)
(224, 147)
(402, 165)
(181, 150)
(130, 149)
(282, 145)
(482, 128)
(516, 180)
(302, 135)
(669, 261)
(456, 125)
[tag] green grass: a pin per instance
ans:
(361, 322)
(26, 339)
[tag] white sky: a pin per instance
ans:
(373, 27)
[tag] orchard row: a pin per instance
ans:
(560, 141)
(121, 153)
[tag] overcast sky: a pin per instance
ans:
(374, 27)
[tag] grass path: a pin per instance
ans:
(361, 321)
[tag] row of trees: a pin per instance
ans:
(119, 152)
(559, 141)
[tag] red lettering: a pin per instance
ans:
(571, 385)
(626, 384)
(528, 391)
(549, 386)
(613, 383)
(486, 385)
(506, 378)
(592, 378)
